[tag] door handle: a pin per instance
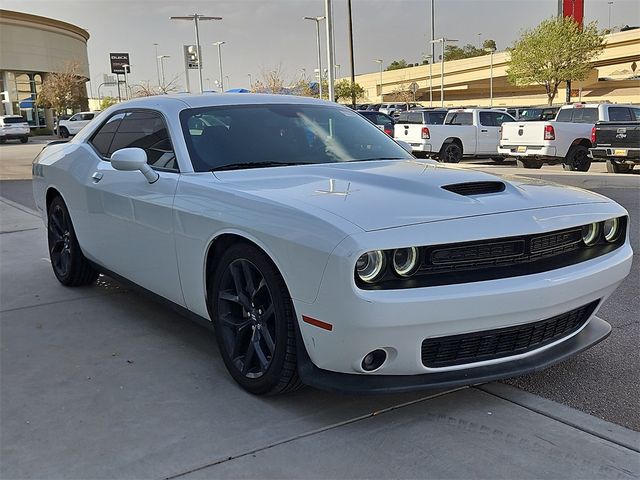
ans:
(484, 131)
(96, 177)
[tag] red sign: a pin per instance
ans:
(574, 9)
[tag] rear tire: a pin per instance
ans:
(64, 133)
(24, 139)
(527, 163)
(254, 319)
(498, 160)
(450, 153)
(70, 266)
(577, 159)
(3, 140)
(613, 167)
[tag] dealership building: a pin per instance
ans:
(31, 47)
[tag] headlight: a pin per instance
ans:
(405, 261)
(590, 234)
(370, 266)
(611, 229)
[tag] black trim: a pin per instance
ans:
(595, 331)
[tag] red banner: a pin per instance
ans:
(574, 9)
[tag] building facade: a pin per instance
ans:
(31, 47)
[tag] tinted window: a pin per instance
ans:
(75, 117)
(9, 120)
(487, 119)
(500, 118)
(460, 118)
(247, 134)
(415, 117)
(87, 116)
(549, 114)
(564, 115)
(146, 130)
(435, 118)
(589, 115)
(102, 138)
(635, 112)
(382, 120)
(403, 117)
(619, 114)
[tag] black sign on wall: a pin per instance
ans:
(118, 61)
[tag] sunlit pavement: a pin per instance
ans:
(103, 382)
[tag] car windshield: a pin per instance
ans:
(8, 120)
(530, 114)
(282, 134)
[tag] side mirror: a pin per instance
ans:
(129, 159)
(405, 145)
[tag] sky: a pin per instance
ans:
(264, 34)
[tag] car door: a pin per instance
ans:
(489, 131)
(75, 124)
(130, 220)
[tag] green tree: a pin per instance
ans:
(106, 102)
(555, 51)
(452, 52)
(397, 65)
(344, 89)
(488, 43)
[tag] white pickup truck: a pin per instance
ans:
(76, 123)
(466, 133)
(565, 140)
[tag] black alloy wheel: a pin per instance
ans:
(451, 153)
(577, 159)
(253, 317)
(64, 133)
(69, 265)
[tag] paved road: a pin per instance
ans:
(602, 381)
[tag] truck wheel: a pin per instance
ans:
(64, 133)
(24, 139)
(613, 167)
(528, 163)
(450, 153)
(498, 159)
(577, 159)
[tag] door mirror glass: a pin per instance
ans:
(129, 159)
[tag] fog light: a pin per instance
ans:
(611, 229)
(590, 234)
(373, 360)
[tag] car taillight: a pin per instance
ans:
(549, 132)
(425, 133)
(593, 135)
(500, 132)
(388, 131)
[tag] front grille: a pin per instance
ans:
(502, 342)
(475, 188)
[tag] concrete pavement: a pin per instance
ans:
(101, 382)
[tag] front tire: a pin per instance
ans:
(24, 139)
(577, 159)
(70, 266)
(451, 153)
(254, 319)
(64, 133)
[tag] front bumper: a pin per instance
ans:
(595, 331)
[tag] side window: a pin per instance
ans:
(415, 117)
(564, 115)
(500, 118)
(75, 117)
(590, 115)
(103, 137)
(435, 118)
(382, 120)
(403, 117)
(460, 118)
(635, 113)
(146, 130)
(87, 116)
(487, 119)
(619, 114)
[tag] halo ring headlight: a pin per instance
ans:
(590, 234)
(405, 261)
(370, 266)
(611, 229)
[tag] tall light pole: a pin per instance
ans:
(330, 53)
(491, 51)
(250, 81)
(127, 69)
(379, 62)
(157, 67)
(443, 41)
(318, 20)
(610, 4)
(219, 45)
(161, 58)
(196, 18)
(429, 58)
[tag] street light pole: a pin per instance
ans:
(126, 82)
(379, 62)
(491, 51)
(219, 45)
(250, 81)
(330, 53)
(610, 4)
(318, 20)
(196, 18)
(443, 41)
(161, 58)
(429, 58)
(157, 68)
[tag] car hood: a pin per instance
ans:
(376, 195)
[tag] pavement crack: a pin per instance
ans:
(312, 432)
(54, 302)
(19, 230)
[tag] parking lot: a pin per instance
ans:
(103, 382)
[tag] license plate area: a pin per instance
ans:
(521, 149)
(620, 153)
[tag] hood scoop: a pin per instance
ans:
(475, 188)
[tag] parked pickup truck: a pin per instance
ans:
(618, 143)
(565, 140)
(466, 133)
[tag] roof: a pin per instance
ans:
(45, 21)
(226, 99)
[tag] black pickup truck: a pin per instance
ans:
(618, 143)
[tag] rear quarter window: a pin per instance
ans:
(619, 114)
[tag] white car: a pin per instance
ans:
(465, 133)
(321, 251)
(13, 127)
(75, 123)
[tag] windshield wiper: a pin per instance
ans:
(247, 165)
